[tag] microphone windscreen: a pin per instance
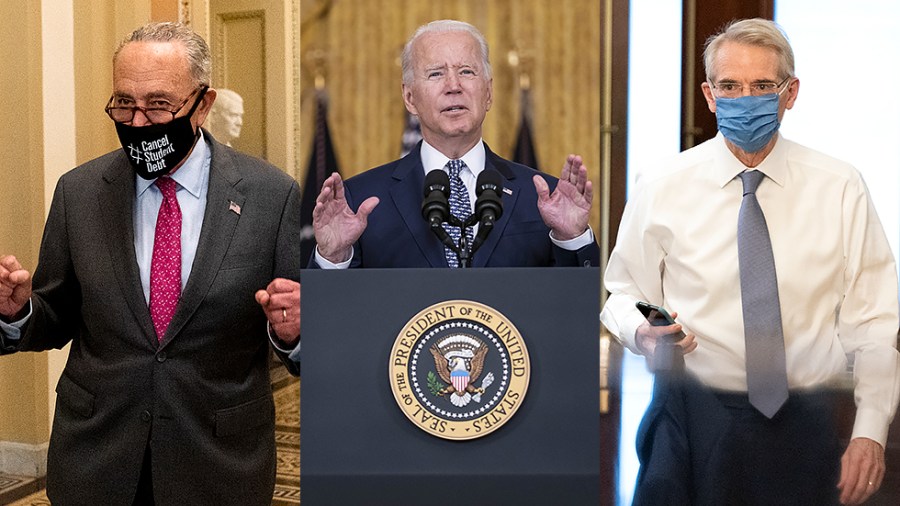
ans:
(436, 205)
(489, 204)
(489, 179)
(437, 180)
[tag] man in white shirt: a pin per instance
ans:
(678, 247)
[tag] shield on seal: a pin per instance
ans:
(460, 379)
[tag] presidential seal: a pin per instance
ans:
(459, 370)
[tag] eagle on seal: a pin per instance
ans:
(460, 368)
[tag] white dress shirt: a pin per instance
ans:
(432, 159)
(837, 282)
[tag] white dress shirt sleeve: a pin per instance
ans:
(629, 274)
(325, 264)
(576, 243)
(867, 321)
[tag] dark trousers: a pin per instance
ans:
(702, 447)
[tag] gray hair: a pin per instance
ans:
(443, 26)
(754, 32)
(199, 59)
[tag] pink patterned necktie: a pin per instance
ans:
(165, 268)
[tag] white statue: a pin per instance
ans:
(226, 116)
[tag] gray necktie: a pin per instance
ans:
(763, 335)
(459, 206)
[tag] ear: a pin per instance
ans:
(792, 92)
(708, 95)
(408, 99)
(490, 95)
(204, 107)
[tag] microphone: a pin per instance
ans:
(488, 205)
(436, 206)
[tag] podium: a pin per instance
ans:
(359, 447)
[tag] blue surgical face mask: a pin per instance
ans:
(749, 121)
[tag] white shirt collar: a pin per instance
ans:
(433, 159)
(189, 176)
(727, 166)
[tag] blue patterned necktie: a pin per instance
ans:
(459, 206)
(763, 335)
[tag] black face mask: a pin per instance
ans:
(154, 150)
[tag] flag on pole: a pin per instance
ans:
(412, 134)
(322, 163)
(524, 152)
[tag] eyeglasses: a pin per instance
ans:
(732, 89)
(155, 115)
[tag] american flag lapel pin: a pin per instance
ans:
(234, 207)
(507, 191)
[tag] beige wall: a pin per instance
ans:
(361, 42)
(164, 10)
(23, 398)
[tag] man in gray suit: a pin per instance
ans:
(169, 287)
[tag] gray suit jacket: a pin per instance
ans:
(201, 399)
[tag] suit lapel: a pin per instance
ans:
(509, 203)
(406, 193)
(219, 223)
(117, 210)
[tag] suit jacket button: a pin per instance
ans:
(161, 357)
(587, 263)
(145, 416)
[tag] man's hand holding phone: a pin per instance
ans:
(660, 329)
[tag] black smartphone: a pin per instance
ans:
(667, 355)
(658, 317)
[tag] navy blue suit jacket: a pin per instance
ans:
(398, 236)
